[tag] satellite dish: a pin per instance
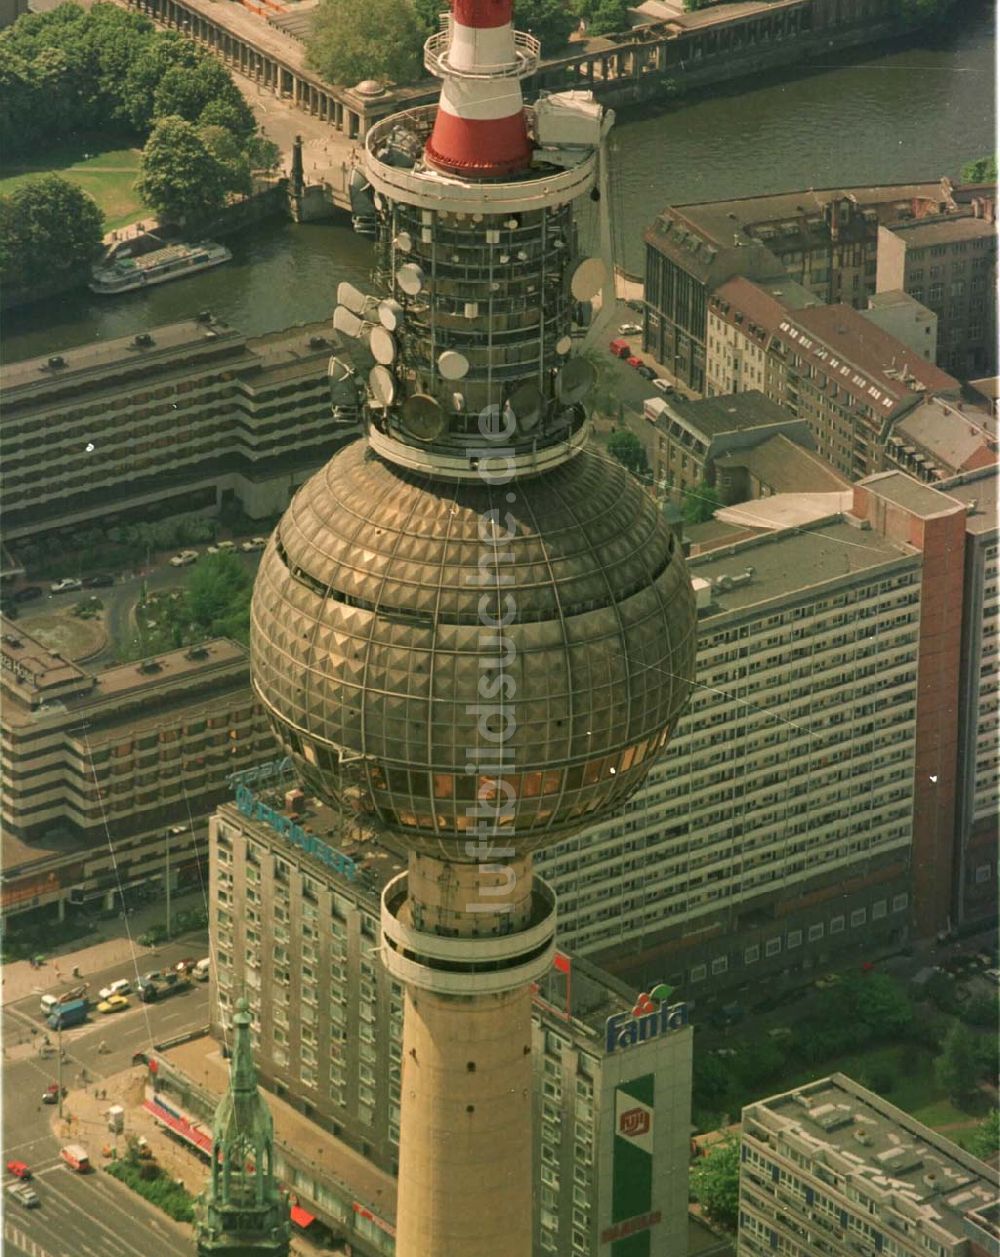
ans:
(528, 406)
(378, 200)
(410, 278)
(588, 279)
(563, 345)
(383, 345)
(390, 314)
(453, 365)
(575, 380)
(338, 370)
(346, 321)
(382, 387)
(422, 417)
(348, 295)
(404, 242)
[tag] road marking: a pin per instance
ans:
(26, 1244)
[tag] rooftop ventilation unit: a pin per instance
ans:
(143, 340)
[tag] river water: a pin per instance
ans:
(903, 114)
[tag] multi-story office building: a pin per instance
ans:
(108, 776)
(826, 240)
(950, 265)
(178, 419)
(978, 804)
(828, 365)
(902, 316)
(295, 892)
(783, 828)
(832, 1170)
(744, 445)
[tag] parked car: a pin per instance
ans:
(51, 1094)
(24, 1195)
(185, 966)
(64, 585)
(121, 986)
(993, 975)
(255, 543)
(98, 581)
(114, 1004)
(633, 361)
(28, 594)
(646, 371)
(184, 559)
(663, 385)
(620, 348)
(630, 329)
(201, 969)
(222, 547)
(19, 1169)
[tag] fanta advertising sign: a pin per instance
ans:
(652, 1016)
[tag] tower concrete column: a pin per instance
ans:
(465, 1175)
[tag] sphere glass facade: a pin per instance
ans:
(428, 651)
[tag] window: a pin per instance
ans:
(772, 947)
(794, 939)
(982, 874)
(900, 902)
(858, 917)
(816, 932)
(720, 964)
(878, 909)
(751, 955)
(699, 973)
(837, 925)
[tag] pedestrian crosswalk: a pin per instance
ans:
(23, 1243)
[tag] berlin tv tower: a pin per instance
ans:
(470, 627)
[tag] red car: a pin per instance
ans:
(18, 1169)
(634, 361)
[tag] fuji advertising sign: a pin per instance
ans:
(652, 1016)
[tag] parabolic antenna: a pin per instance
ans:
(528, 405)
(390, 314)
(422, 417)
(347, 321)
(453, 365)
(563, 345)
(382, 387)
(383, 345)
(403, 242)
(575, 380)
(588, 279)
(338, 370)
(348, 295)
(410, 278)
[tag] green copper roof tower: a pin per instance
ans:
(242, 1212)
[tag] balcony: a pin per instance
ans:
(527, 51)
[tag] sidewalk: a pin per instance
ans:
(20, 980)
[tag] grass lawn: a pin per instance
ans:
(106, 176)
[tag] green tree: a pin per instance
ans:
(878, 1002)
(218, 596)
(157, 53)
(984, 1142)
(353, 40)
(715, 1182)
(700, 503)
(550, 21)
(982, 170)
(226, 148)
(49, 228)
(605, 17)
(428, 14)
(956, 1066)
(179, 176)
(626, 447)
(203, 93)
(263, 154)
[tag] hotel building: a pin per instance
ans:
(183, 418)
(832, 1170)
(106, 775)
(295, 928)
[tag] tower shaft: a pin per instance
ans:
(465, 1173)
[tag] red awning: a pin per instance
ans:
(180, 1126)
(301, 1218)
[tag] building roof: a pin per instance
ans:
(948, 229)
(886, 1154)
(892, 298)
(785, 510)
(919, 499)
(977, 492)
(956, 437)
(791, 562)
(785, 466)
(32, 673)
(763, 302)
(716, 221)
(734, 412)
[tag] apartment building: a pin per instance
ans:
(178, 419)
(950, 265)
(824, 239)
(744, 445)
(106, 776)
(941, 438)
(295, 890)
(829, 365)
(786, 823)
(832, 1170)
(978, 786)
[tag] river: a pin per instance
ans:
(903, 114)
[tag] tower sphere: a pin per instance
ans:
(424, 647)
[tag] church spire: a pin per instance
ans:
(242, 1212)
